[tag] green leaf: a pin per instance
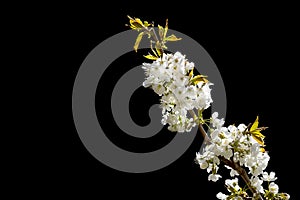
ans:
(135, 23)
(255, 132)
(161, 32)
(254, 125)
(147, 24)
(191, 74)
(196, 79)
(158, 49)
(166, 29)
(137, 41)
(262, 150)
(172, 38)
(151, 57)
(154, 52)
(259, 139)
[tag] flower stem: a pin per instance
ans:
(204, 134)
(153, 34)
(200, 127)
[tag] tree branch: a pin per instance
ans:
(242, 172)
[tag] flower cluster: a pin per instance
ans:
(237, 145)
(171, 77)
(240, 147)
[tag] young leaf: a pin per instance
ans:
(137, 41)
(191, 74)
(151, 47)
(158, 49)
(147, 24)
(137, 24)
(196, 79)
(262, 150)
(255, 132)
(254, 125)
(160, 32)
(258, 138)
(172, 38)
(166, 29)
(151, 57)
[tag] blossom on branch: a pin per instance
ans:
(240, 148)
(171, 77)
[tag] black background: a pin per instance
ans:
(253, 48)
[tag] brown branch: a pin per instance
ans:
(204, 134)
(242, 172)
(201, 129)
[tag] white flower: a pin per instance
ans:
(214, 177)
(257, 184)
(268, 177)
(242, 127)
(232, 184)
(181, 80)
(159, 89)
(273, 188)
(232, 129)
(215, 136)
(201, 161)
(191, 92)
(169, 77)
(149, 81)
(222, 196)
(227, 153)
(204, 99)
(203, 165)
(255, 150)
(232, 171)
(216, 123)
